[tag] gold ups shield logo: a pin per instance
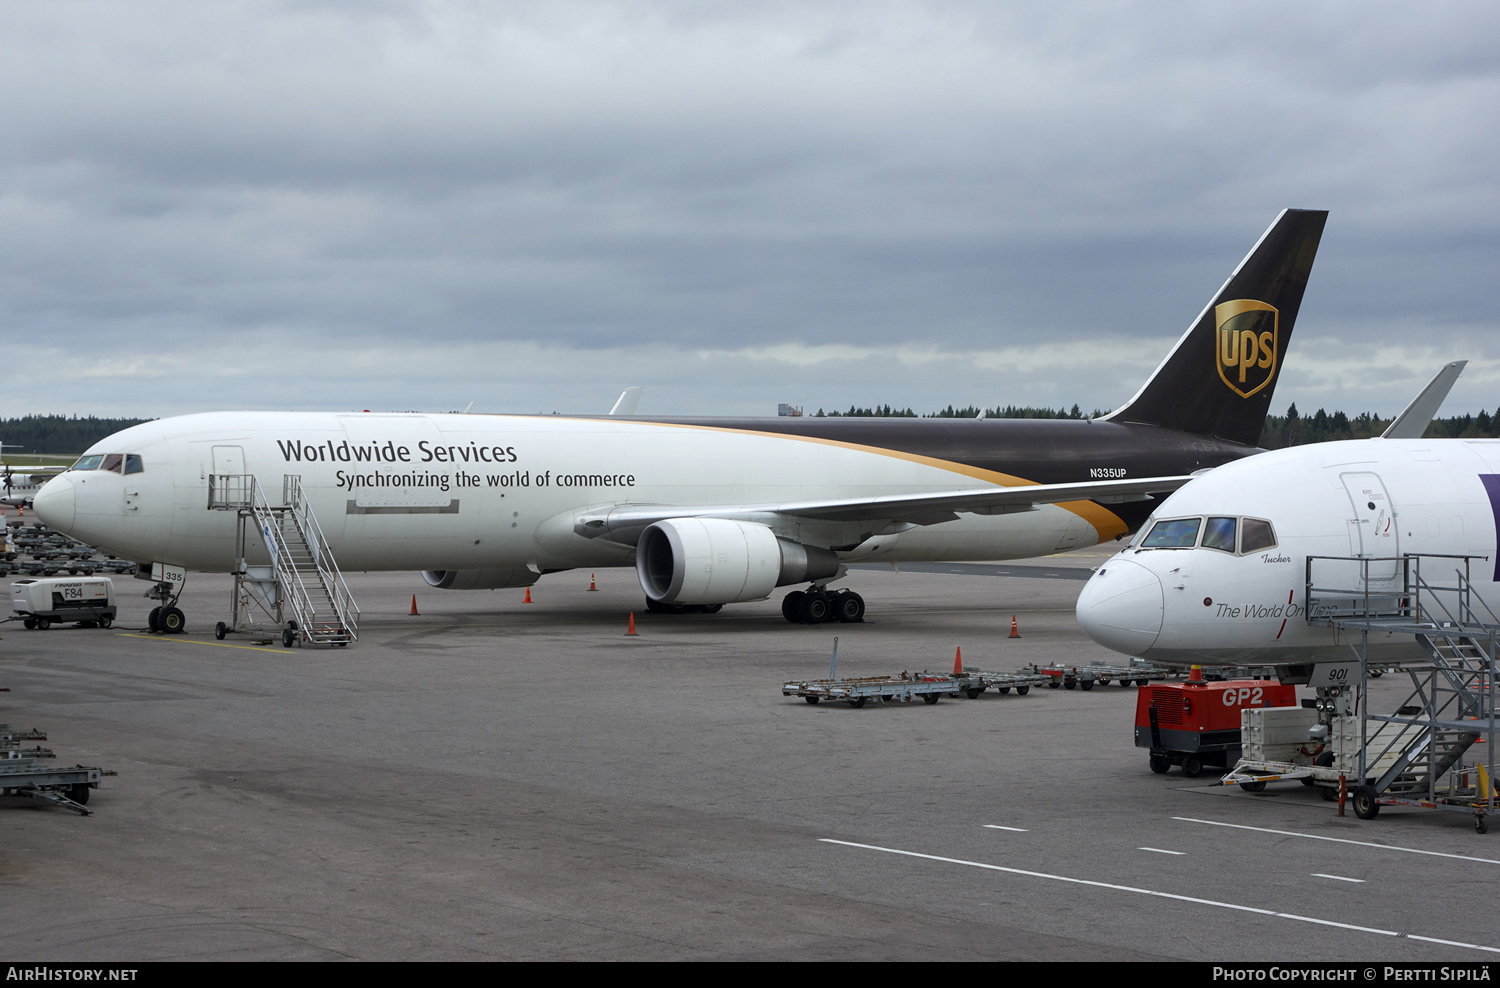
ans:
(1247, 344)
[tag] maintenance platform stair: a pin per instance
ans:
(303, 577)
(1416, 755)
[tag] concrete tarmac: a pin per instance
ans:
(497, 780)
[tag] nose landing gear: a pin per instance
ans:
(166, 619)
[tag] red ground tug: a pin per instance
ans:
(1196, 723)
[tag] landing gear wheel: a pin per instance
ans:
(791, 606)
(1192, 766)
(1253, 786)
(1159, 764)
(849, 607)
(171, 621)
(78, 792)
(856, 702)
(655, 606)
(286, 637)
(815, 608)
(930, 698)
(1365, 806)
(153, 620)
(220, 630)
(812, 699)
(712, 608)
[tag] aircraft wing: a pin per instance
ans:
(626, 522)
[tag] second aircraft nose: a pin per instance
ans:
(54, 504)
(1121, 607)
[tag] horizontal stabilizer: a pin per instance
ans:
(1416, 417)
(625, 404)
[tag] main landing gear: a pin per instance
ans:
(820, 604)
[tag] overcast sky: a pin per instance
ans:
(403, 205)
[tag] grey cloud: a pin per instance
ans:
(654, 180)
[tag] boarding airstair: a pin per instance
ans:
(301, 589)
(1416, 756)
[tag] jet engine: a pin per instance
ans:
(479, 579)
(719, 561)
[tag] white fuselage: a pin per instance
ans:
(1378, 499)
(480, 492)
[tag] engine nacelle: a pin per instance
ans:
(479, 579)
(719, 561)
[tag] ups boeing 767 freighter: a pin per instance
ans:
(709, 511)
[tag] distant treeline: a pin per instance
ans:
(1291, 429)
(64, 434)
(59, 433)
(967, 412)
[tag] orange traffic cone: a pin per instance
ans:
(958, 661)
(528, 596)
(414, 604)
(1015, 632)
(591, 582)
(631, 630)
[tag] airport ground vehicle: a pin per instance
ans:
(1196, 723)
(41, 602)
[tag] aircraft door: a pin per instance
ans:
(1373, 532)
(228, 460)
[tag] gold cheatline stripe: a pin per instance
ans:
(1105, 522)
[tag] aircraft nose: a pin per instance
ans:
(54, 504)
(1121, 607)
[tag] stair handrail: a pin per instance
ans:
(333, 578)
(287, 574)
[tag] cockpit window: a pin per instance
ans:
(118, 462)
(1219, 534)
(1257, 535)
(1175, 533)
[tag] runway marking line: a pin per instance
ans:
(996, 826)
(1157, 850)
(1339, 878)
(1195, 900)
(194, 641)
(1338, 840)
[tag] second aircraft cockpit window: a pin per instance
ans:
(1219, 533)
(116, 462)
